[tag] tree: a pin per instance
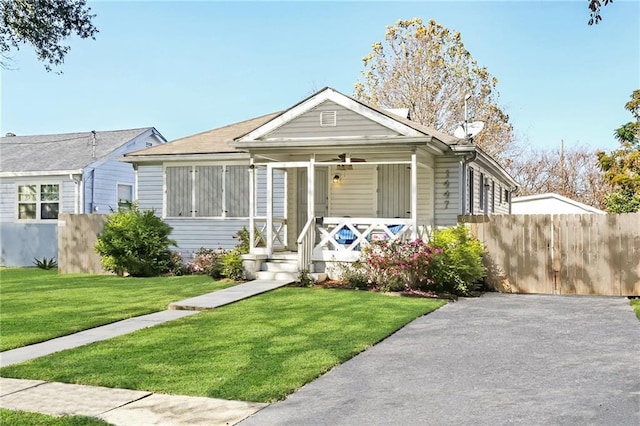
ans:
(43, 24)
(622, 166)
(594, 7)
(427, 69)
(573, 173)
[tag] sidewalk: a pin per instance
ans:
(124, 407)
(121, 407)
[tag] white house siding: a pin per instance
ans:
(105, 187)
(425, 199)
(348, 123)
(492, 193)
(192, 233)
(7, 200)
(355, 195)
(447, 190)
(149, 188)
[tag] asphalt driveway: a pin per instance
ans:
(499, 359)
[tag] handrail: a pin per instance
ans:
(305, 245)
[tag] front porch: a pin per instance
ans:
(326, 209)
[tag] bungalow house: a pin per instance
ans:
(317, 181)
(44, 175)
(550, 203)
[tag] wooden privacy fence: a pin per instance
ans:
(77, 235)
(561, 254)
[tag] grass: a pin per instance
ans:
(38, 305)
(10, 417)
(259, 349)
(635, 304)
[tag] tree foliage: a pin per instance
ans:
(571, 172)
(43, 24)
(594, 7)
(427, 69)
(622, 166)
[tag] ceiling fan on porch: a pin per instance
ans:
(343, 159)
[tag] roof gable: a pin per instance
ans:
(337, 98)
(67, 151)
(329, 119)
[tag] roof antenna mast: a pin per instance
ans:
(466, 131)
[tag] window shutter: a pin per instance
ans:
(237, 191)
(179, 187)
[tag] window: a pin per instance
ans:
(207, 191)
(125, 195)
(500, 193)
(38, 201)
(506, 196)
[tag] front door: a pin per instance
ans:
(321, 192)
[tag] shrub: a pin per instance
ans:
(206, 261)
(354, 274)
(45, 263)
(458, 263)
(232, 265)
(136, 243)
(304, 278)
(396, 265)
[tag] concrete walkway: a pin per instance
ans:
(496, 360)
(123, 407)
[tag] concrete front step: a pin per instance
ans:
(281, 266)
(292, 276)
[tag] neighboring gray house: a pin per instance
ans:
(44, 175)
(317, 180)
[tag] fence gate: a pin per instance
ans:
(561, 254)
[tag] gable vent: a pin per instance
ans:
(328, 118)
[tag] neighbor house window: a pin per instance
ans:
(207, 191)
(38, 201)
(125, 195)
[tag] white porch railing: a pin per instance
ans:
(305, 245)
(342, 237)
(279, 232)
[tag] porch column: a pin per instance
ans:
(269, 210)
(414, 196)
(252, 205)
(311, 185)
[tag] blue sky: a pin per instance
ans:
(186, 67)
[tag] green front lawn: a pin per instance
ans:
(10, 417)
(37, 305)
(258, 349)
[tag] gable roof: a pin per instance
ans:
(215, 141)
(65, 151)
(386, 118)
(557, 197)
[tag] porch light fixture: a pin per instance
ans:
(337, 178)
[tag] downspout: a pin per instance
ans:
(463, 182)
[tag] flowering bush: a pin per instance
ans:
(397, 265)
(206, 261)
